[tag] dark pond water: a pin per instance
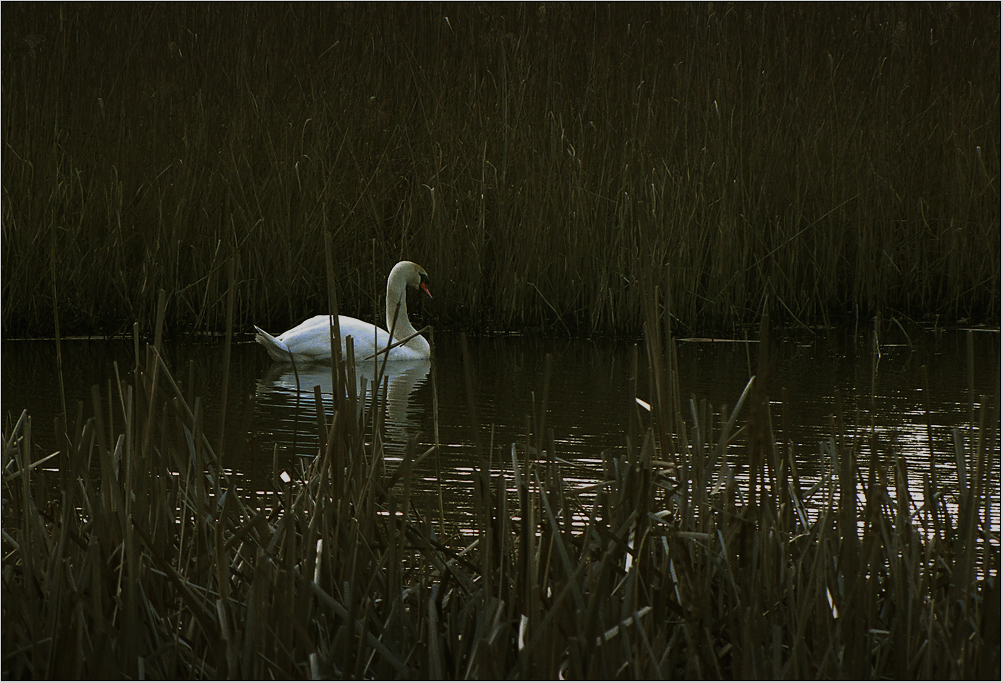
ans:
(588, 405)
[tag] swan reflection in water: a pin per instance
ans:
(284, 412)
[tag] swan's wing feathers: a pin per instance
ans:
(276, 348)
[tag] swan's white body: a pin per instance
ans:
(310, 341)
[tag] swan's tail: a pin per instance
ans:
(276, 348)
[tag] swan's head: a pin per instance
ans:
(413, 276)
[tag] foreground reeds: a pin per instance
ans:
(541, 161)
(136, 557)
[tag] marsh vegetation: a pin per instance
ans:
(624, 170)
(127, 553)
(543, 162)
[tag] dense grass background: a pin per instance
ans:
(543, 162)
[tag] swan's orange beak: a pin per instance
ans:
(424, 288)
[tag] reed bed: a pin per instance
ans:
(129, 553)
(544, 162)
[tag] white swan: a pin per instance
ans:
(310, 341)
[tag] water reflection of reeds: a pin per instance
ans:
(589, 417)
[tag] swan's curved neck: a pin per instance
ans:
(397, 292)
